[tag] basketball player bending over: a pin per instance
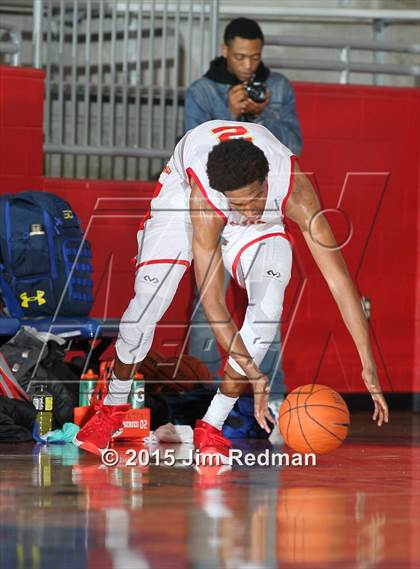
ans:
(221, 200)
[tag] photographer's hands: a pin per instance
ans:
(240, 104)
(236, 99)
(250, 107)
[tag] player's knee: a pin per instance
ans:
(272, 311)
(267, 310)
(136, 330)
(138, 317)
(267, 333)
(266, 302)
(143, 307)
(259, 330)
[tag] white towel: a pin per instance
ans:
(170, 433)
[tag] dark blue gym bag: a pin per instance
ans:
(45, 261)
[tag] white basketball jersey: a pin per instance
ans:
(189, 161)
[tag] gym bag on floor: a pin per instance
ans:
(45, 262)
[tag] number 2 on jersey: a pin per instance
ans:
(227, 132)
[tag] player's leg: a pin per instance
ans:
(164, 256)
(271, 366)
(155, 287)
(263, 267)
(203, 345)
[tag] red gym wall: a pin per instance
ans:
(361, 150)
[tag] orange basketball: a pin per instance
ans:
(314, 418)
(183, 374)
(149, 367)
(198, 369)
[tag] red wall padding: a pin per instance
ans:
(21, 128)
(361, 150)
(360, 143)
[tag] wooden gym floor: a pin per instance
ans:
(358, 507)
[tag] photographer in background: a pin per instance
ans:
(238, 86)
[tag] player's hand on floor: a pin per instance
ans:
(261, 393)
(380, 413)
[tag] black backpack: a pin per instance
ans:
(37, 361)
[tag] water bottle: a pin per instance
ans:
(43, 402)
(87, 387)
(137, 393)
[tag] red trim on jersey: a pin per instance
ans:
(194, 176)
(293, 159)
(148, 215)
(242, 249)
(164, 261)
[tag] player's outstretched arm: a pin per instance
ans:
(303, 207)
(209, 275)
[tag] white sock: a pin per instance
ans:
(275, 438)
(274, 407)
(220, 407)
(118, 391)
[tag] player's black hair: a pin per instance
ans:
(243, 28)
(233, 164)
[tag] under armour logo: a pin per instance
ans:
(273, 274)
(39, 298)
(151, 280)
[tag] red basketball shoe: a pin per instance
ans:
(213, 446)
(96, 435)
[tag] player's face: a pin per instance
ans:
(249, 200)
(243, 57)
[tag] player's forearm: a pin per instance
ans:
(350, 307)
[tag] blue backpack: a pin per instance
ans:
(45, 262)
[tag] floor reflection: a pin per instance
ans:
(359, 507)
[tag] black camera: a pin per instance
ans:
(256, 91)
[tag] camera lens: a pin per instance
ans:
(256, 91)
